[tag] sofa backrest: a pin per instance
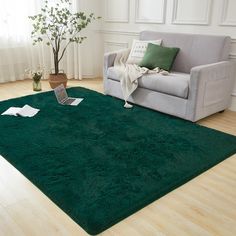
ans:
(195, 49)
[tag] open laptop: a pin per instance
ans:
(63, 98)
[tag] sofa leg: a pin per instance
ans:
(221, 111)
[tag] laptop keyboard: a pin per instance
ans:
(68, 101)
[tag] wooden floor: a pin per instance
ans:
(204, 206)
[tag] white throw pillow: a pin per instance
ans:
(138, 50)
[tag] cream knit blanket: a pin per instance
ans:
(130, 73)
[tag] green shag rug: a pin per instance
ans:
(99, 162)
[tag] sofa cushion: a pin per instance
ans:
(175, 84)
(138, 50)
(195, 49)
(158, 56)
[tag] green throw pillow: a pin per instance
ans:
(158, 56)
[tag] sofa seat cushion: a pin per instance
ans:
(175, 84)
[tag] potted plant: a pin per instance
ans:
(59, 27)
(36, 76)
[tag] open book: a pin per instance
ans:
(25, 111)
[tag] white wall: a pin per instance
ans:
(124, 19)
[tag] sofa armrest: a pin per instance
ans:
(109, 59)
(210, 88)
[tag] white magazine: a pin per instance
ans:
(25, 111)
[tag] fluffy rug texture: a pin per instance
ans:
(100, 162)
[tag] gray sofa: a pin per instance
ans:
(200, 84)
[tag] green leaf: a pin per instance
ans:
(58, 22)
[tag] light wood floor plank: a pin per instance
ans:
(204, 206)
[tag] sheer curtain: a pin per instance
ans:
(16, 50)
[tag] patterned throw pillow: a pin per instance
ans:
(138, 50)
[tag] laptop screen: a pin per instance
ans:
(61, 93)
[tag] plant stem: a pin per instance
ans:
(56, 63)
(63, 51)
